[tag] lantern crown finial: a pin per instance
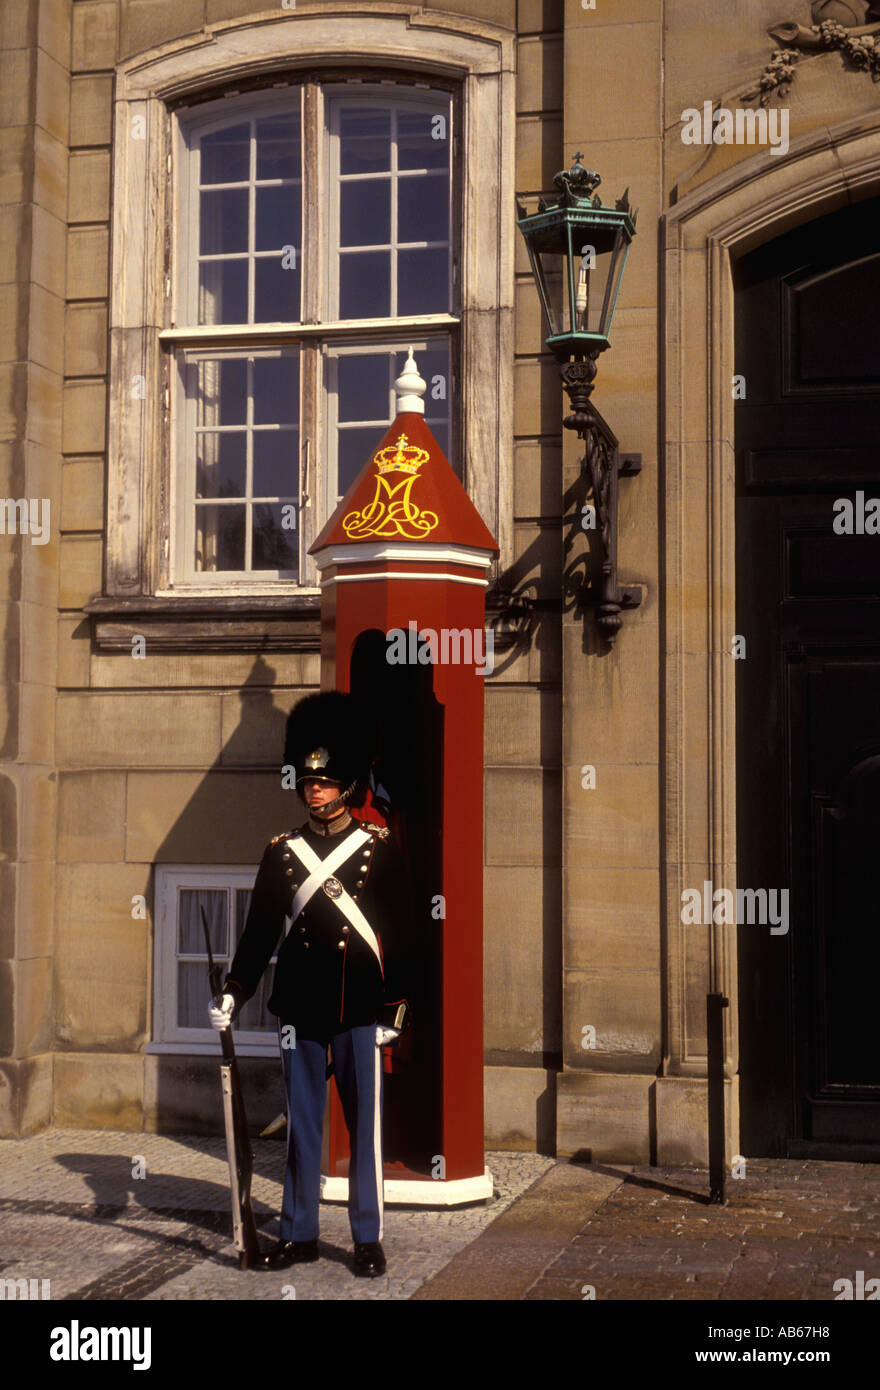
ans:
(575, 186)
(410, 388)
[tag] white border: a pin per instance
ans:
(404, 574)
(411, 1192)
(364, 552)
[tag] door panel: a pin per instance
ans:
(808, 691)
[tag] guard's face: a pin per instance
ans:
(317, 791)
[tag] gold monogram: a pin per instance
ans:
(396, 515)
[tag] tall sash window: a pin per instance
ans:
(317, 242)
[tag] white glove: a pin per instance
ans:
(221, 1014)
(385, 1035)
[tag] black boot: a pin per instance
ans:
(369, 1259)
(291, 1252)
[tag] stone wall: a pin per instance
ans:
(34, 103)
(112, 765)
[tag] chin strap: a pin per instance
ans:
(338, 802)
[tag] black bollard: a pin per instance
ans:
(715, 1056)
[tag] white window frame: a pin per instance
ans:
(188, 136)
(421, 46)
(168, 1034)
(183, 476)
(320, 295)
(367, 95)
(346, 348)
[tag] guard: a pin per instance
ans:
(337, 979)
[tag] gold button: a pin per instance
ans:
(360, 883)
(303, 930)
(346, 930)
(289, 873)
(306, 944)
(285, 856)
(340, 945)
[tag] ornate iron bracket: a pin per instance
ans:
(603, 465)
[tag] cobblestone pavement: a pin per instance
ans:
(72, 1211)
(790, 1229)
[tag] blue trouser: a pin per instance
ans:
(357, 1062)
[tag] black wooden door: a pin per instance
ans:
(808, 689)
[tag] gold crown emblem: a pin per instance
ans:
(401, 457)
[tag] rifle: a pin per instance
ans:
(238, 1150)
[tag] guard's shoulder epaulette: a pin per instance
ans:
(285, 835)
(381, 832)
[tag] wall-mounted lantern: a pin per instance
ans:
(578, 250)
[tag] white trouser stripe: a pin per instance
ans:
(377, 1140)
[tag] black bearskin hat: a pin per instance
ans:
(328, 735)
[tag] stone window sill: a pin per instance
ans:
(239, 623)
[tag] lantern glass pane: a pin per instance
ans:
(613, 271)
(571, 278)
(556, 293)
(546, 276)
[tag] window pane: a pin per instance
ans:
(440, 431)
(365, 218)
(276, 290)
(362, 388)
(278, 218)
(356, 446)
(226, 155)
(422, 282)
(275, 536)
(364, 382)
(222, 389)
(220, 536)
(433, 364)
(255, 1015)
(276, 390)
(224, 221)
(278, 146)
(241, 904)
(191, 934)
(220, 464)
(276, 463)
(423, 209)
(423, 138)
(365, 139)
(365, 285)
(193, 992)
(223, 291)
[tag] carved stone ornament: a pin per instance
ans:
(852, 26)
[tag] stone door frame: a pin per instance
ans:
(758, 199)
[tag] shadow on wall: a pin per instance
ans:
(239, 805)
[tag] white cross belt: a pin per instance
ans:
(319, 870)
